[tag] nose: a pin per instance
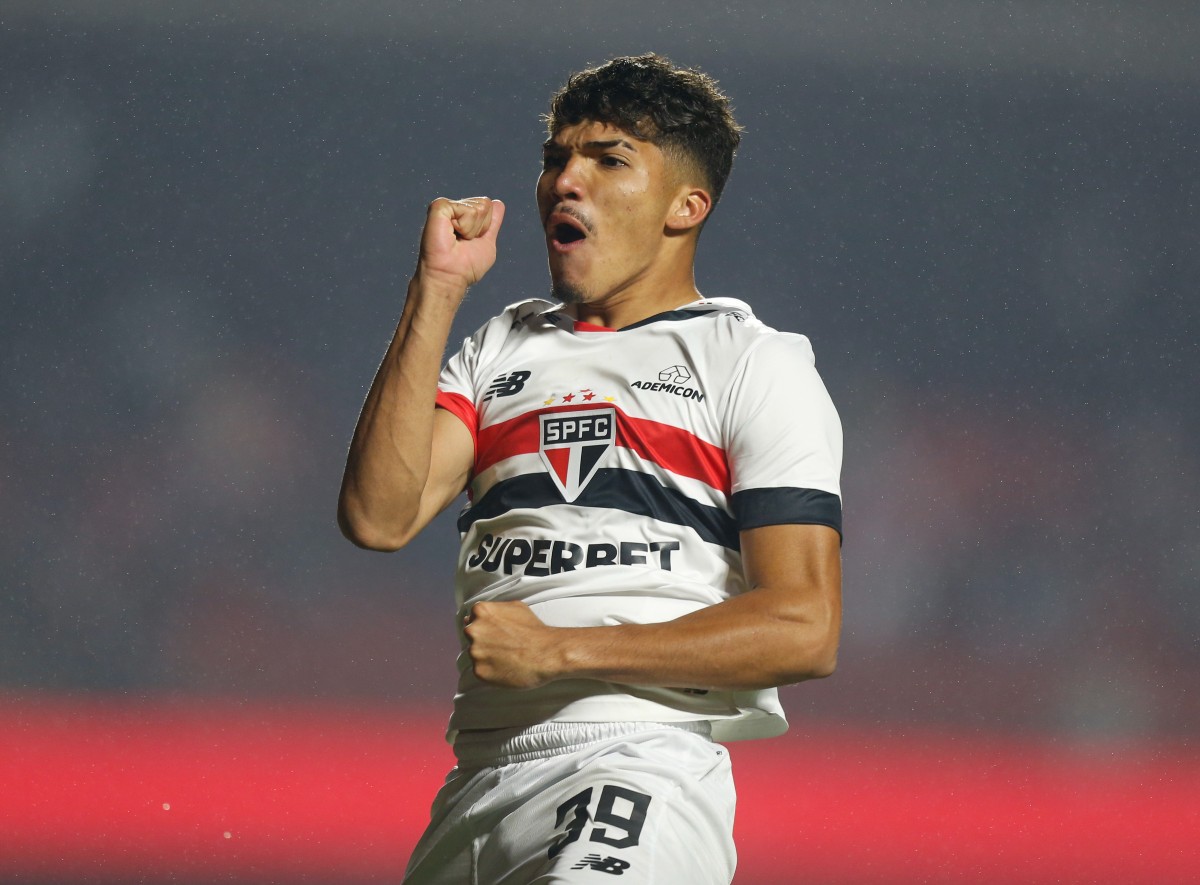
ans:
(566, 181)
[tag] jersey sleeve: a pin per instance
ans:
(456, 391)
(462, 383)
(783, 438)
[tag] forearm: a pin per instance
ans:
(784, 629)
(750, 642)
(387, 466)
(763, 638)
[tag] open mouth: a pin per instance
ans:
(565, 230)
(565, 234)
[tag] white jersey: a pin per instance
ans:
(613, 473)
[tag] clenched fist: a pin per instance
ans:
(510, 646)
(458, 244)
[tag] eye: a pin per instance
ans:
(551, 161)
(612, 160)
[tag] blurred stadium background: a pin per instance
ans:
(984, 215)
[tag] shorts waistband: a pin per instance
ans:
(504, 746)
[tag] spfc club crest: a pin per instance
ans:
(574, 443)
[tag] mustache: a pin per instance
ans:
(564, 209)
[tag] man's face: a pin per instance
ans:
(604, 198)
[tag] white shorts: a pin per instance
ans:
(568, 803)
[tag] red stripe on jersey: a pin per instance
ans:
(669, 447)
(581, 326)
(674, 449)
(462, 408)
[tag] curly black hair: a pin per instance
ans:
(680, 110)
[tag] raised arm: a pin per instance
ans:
(408, 460)
(783, 629)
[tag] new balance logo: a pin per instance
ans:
(612, 865)
(507, 385)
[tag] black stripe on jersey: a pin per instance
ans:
(614, 489)
(671, 315)
(753, 508)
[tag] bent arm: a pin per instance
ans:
(408, 460)
(784, 628)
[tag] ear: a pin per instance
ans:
(690, 209)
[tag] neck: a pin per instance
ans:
(617, 314)
(639, 299)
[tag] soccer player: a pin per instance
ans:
(651, 541)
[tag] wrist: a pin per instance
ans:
(448, 289)
(560, 653)
(430, 306)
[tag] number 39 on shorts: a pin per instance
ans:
(618, 820)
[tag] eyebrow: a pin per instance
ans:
(551, 145)
(613, 142)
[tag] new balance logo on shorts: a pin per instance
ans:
(507, 385)
(612, 865)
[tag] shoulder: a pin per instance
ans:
(531, 309)
(732, 318)
(726, 310)
(739, 333)
(521, 313)
(516, 316)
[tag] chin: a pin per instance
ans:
(567, 293)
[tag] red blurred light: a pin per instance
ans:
(200, 791)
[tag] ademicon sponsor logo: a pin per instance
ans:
(672, 380)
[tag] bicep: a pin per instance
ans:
(451, 458)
